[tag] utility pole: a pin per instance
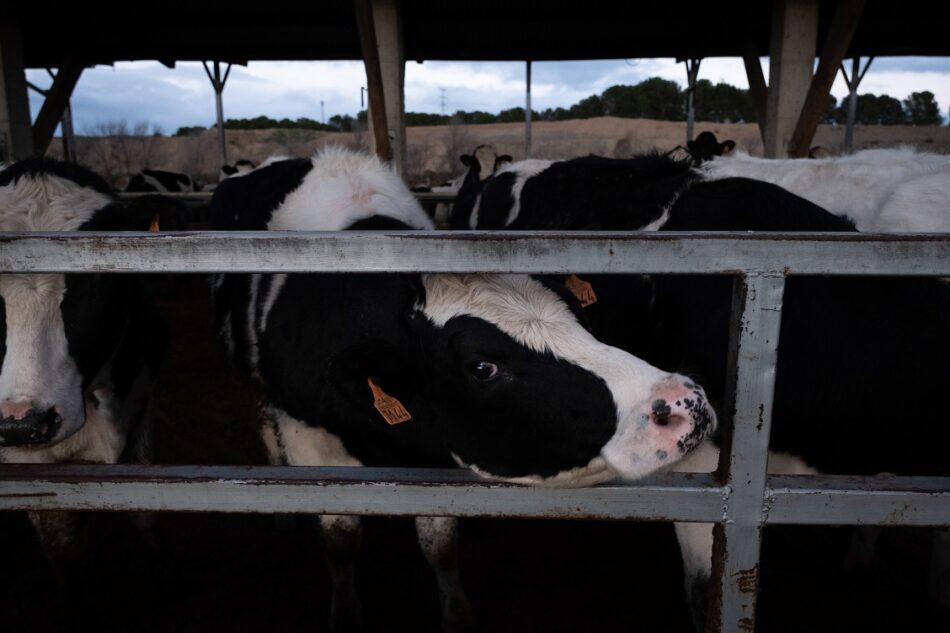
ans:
(323, 118)
(443, 101)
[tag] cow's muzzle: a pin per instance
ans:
(33, 427)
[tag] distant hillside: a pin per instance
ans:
(432, 152)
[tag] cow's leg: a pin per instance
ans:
(438, 538)
(299, 444)
(276, 456)
(342, 535)
(696, 539)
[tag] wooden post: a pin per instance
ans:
(847, 14)
(374, 77)
(793, 42)
(16, 134)
(758, 89)
(55, 104)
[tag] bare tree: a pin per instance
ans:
(417, 162)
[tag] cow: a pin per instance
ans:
(239, 168)
(159, 181)
(495, 373)
(881, 190)
(481, 164)
(845, 342)
(79, 352)
(706, 146)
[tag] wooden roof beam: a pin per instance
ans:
(57, 98)
(842, 29)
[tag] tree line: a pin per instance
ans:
(653, 98)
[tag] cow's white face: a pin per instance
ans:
(41, 396)
(57, 331)
(592, 411)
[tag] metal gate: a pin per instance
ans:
(740, 499)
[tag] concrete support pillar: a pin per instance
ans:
(16, 132)
(791, 65)
(387, 19)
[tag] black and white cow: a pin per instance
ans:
(159, 181)
(493, 372)
(239, 168)
(706, 147)
(79, 352)
(883, 190)
(851, 349)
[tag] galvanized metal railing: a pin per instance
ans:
(740, 499)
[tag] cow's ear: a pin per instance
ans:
(467, 159)
(375, 377)
(726, 147)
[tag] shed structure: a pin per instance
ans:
(388, 33)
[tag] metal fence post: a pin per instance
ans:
(756, 319)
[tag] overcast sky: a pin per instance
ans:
(171, 98)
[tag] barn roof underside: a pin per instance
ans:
(106, 32)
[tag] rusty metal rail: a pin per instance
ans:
(741, 499)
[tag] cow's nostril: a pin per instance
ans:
(661, 412)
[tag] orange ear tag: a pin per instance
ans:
(153, 227)
(581, 289)
(390, 408)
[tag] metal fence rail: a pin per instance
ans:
(740, 499)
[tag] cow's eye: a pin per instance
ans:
(483, 371)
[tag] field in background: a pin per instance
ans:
(432, 152)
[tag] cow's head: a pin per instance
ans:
(706, 146)
(58, 332)
(482, 163)
(518, 388)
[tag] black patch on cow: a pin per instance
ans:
(539, 416)
(743, 204)
(36, 167)
(496, 201)
(594, 193)
(170, 180)
(378, 223)
(137, 215)
(247, 203)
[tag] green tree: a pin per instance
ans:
(587, 108)
(922, 108)
(190, 130)
(722, 102)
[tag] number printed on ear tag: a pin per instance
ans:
(390, 408)
(581, 289)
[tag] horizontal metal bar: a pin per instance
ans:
(478, 251)
(812, 500)
(840, 500)
(267, 489)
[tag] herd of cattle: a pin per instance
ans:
(519, 378)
